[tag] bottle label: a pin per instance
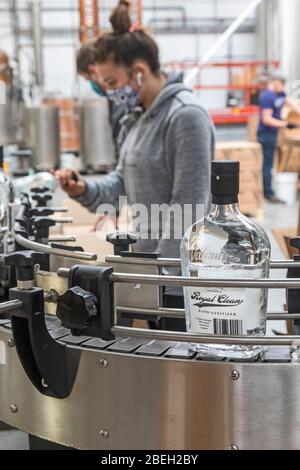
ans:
(216, 311)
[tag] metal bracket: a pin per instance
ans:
(95, 280)
(50, 366)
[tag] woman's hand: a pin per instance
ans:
(71, 182)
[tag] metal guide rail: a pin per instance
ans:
(71, 360)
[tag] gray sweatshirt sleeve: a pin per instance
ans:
(189, 150)
(106, 191)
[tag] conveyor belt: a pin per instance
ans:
(133, 388)
(153, 348)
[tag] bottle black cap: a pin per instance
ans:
(225, 182)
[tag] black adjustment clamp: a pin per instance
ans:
(41, 226)
(121, 241)
(87, 308)
(40, 190)
(50, 366)
(40, 212)
(42, 199)
(24, 262)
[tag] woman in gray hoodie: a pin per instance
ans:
(166, 145)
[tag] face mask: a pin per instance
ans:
(97, 88)
(125, 96)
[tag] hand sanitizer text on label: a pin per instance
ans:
(218, 311)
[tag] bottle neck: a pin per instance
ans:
(224, 210)
(224, 200)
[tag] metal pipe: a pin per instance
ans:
(223, 39)
(180, 313)
(147, 312)
(71, 238)
(196, 282)
(36, 24)
(176, 263)
(283, 316)
(16, 33)
(125, 278)
(63, 272)
(161, 262)
(89, 19)
(7, 307)
(59, 209)
(64, 220)
(30, 245)
(70, 9)
(205, 339)
(284, 264)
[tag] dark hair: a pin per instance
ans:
(124, 46)
(86, 56)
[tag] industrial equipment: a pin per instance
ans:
(83, 380)
(7, 130)
(98, 151)
(4, 203)
(42, 136)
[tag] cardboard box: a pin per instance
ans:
(250, 156)
(283, 238)
(252, 128)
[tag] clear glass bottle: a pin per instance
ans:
(225, 245)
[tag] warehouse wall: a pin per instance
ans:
(59, 51)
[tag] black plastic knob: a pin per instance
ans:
(41, 190)
(24, 262)
(42, 226)
(40, 212)
(75, 308)
(42, 199)
(121, 241)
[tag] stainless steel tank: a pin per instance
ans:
(7, 128)
(3, 213)
(42, 136)
(97, 146)
(278, 38)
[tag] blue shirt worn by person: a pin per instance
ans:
(274, 101)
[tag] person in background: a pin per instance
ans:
(272, 101)
(86, 68)
(167, 150)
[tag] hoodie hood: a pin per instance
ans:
(173, 86)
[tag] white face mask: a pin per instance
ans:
(125, 96)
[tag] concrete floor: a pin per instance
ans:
(13, 440)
